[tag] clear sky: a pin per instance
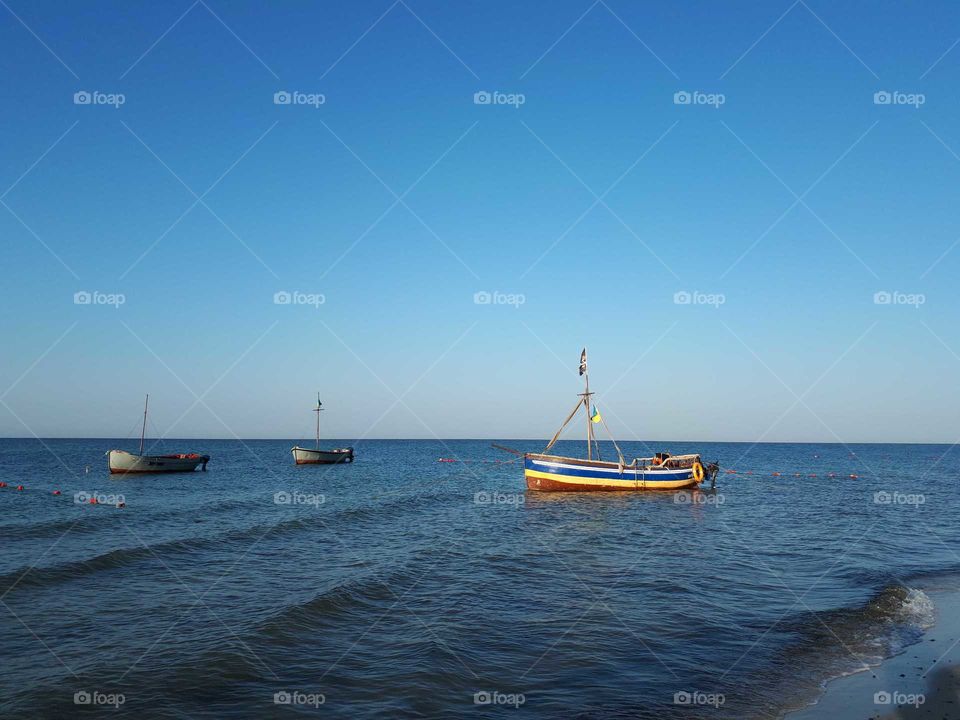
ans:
(782, 198)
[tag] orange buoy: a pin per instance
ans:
(3, 484)
(93, 501)
(776, 474)
(19, 487)
(56, 492)
(854, 477)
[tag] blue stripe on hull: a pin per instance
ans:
(607, 473)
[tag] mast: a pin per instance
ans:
(586, 405)
(586, 402)
(317, 411)
(143, 430)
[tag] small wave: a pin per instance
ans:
(26, 577)
(55, 528)
(846, 641)
(102, 519)
(891, 619)
(357, 596)
(66, 571)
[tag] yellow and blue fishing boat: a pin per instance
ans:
(662, 471)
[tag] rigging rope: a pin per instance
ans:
(619, 454)
(569, 418)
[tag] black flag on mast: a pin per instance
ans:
(583, 361)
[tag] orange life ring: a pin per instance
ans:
(698, 473)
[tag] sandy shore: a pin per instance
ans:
(921, 682)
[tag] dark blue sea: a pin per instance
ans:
(403, 586)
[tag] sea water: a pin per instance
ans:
(403, 586)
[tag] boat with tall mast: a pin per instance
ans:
(120, 461)
(316, 456)
(662, 471)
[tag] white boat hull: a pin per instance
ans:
(120, 461)
(305, 456)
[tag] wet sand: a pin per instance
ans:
(942, 698)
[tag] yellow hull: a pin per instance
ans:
(539, 480)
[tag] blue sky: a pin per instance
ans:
(397, 199)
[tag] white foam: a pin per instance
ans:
(918, 609)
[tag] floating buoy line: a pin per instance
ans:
(56, 493)
(489, 462)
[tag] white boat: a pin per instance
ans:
(121, 461)
(316, 456)
(124, 462)
(304, 456)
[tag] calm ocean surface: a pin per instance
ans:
(401, 592)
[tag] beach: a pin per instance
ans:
(921, 682)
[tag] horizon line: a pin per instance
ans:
(487, 439)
